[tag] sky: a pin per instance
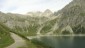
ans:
(24, 6)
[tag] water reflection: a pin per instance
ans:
(61, 42)
(79, 42)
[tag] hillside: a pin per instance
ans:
(73, 15)
(70, 20)
(5, 38)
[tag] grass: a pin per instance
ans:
(6, 39)
(29, 45)
(27, 31)
(48, 26)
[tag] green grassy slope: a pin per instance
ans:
(5, 38)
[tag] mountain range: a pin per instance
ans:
(69, 20)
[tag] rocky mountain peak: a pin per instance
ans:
(47, 11)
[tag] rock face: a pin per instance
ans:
(74, 15)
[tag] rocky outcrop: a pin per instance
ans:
(73, 15)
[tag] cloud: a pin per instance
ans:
(23, 6)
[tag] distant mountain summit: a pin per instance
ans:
(34, 14)
(46, 13)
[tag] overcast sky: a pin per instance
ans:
(24, 6)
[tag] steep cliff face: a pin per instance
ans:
(74, 15)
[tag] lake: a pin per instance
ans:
(49, 42)
(61, 41)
